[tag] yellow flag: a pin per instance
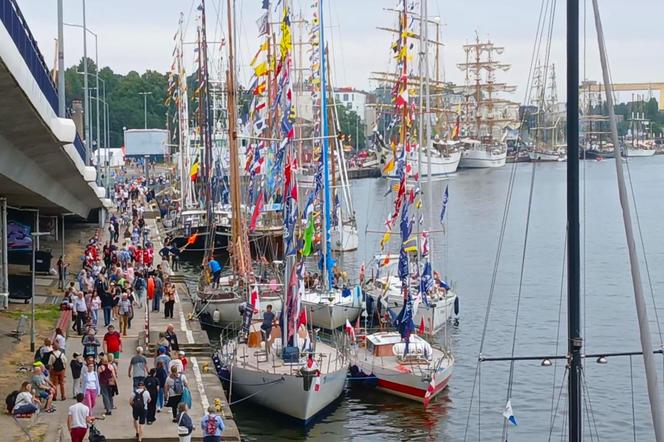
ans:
(385, 240)
(389, 167)
(261, 69)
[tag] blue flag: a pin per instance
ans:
(446, 196)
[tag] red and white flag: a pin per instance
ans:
(430, 390)
(350, 330)
(421, 330)
(255, 299)
(317, 382)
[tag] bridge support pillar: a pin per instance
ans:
(4, 265)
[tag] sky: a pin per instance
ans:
(138, 35)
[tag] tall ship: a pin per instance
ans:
(486, 117)
(548, 130)
(639, 141)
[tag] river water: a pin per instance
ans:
(466, 252)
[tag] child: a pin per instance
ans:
(76, 366)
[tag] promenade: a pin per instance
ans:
(203, 382)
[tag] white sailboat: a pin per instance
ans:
(485, 114)
(286, 371)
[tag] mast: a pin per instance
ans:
(641, 311)
(326, 244)
(575, 341)
(238, 234)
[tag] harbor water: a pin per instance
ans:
(465, 252)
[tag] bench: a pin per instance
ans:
(21, 325)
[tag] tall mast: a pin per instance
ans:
(641, 310)
(240, 246)
(575, 341)
(326, 243)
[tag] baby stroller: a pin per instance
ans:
(95, 434)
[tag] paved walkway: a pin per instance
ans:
(204, 386)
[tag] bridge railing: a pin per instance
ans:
(17, 27)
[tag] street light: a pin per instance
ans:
(145, 106)
(85, 72)
(35, 236)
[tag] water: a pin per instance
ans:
(466, 252)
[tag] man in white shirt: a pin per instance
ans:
(77, 420)
(139, 406)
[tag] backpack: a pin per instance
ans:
(211, 426)
(10, 400)
(58, 365)
(178, 387)
(151, 383)
(139, 404)
(45, 358)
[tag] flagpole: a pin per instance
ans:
(326, 243)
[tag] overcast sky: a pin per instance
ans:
(137, 34)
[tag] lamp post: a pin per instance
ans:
(35, 236)
(85, 91)
(145, 106)
(85, 83)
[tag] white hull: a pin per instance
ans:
(229, 313)
(329, 313)
(344, 238)
(438, 312)
(546, 156)
(400, 378)
(636, 152)
(288, 396)
(482, 159)
(440, 166)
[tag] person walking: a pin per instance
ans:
(107, 305)
(185, 425)
(80, 311)
(172, 338)
(60, 339)
(158, 293)
(90, 344)
(107, 381)
(169, 300)
(174, 388)
(125, 310)
(113, 342)
(162, 375)
(212, 426)
(95, 305)
(57, 365)
(139, 405)
(77, 419)
(91, 388)
(152, 386)
(140, 287)
(138, 367)
(62, 272)
(76, 366)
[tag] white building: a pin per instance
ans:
(353, 99)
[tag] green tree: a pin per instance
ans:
(351, 126)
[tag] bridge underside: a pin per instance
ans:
(35, 169)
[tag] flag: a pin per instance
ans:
(389, 167)
(266, 4)
(421, 329)
(262, 24)
(430, 390)
(509, 414)
(350, 330)
(195, 168)
(257, 212)
(402, 98)
(303, 317)
(317, 382)
(308, 237)
(255, 300)
(444, 208)
(192, 239)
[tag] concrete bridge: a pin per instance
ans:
(41, 157)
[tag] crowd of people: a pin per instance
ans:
(117, 278)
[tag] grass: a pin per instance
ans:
(49, 313)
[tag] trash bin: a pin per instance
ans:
(43, 261)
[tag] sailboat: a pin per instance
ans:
(222, 301)
(485, 114)
(636, 144)
(547, 144)
(327, 305)
(188, 226)
(403, 362)
(288, 372)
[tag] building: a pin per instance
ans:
(353, 99)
